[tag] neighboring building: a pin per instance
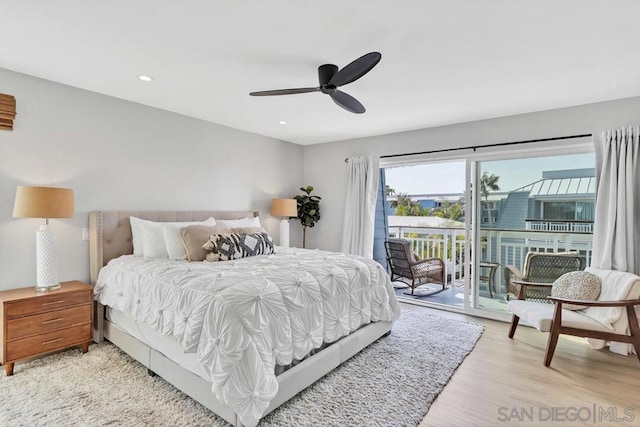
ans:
(490, 208)
(562, 200)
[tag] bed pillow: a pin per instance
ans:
(136, 234)
(173, 241)
(576, 285)
(247, 230)
(243, 222)
(195, 236)
(153, 241)
(225, 247)
(137, 227)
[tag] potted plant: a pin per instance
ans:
(308, 210)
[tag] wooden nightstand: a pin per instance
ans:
(35, 323)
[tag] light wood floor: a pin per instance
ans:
(504, 373)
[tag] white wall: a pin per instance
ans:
(121, 155)
(324, 166)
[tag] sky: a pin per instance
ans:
(449, 177)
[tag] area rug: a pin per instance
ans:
(392, 382)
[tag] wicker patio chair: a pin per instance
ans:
(406, 267)
(541, 268)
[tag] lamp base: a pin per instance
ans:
(284, 233)
(48, 288)
(46, 259)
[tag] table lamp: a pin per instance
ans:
(286, 208)
(44, 202)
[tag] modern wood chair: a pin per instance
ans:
(621, 326)
(540, 268)
(405, 265)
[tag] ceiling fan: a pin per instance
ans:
(330, 79)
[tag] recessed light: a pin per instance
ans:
(282, 122)
(145, 78)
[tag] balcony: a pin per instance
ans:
(559, 225)
(497, 246)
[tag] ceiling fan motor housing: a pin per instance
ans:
(326, 73)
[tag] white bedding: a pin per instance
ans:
(164, 344)
(245, 316)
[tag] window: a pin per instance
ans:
(577, 211)
(559, 210)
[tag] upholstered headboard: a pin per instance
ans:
(110, 231)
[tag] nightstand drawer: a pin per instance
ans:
(48, 342)
(45, 322)
(46, 303)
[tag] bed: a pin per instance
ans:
(195, 362)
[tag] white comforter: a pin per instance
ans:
(243, 317)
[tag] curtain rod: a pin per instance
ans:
(474, 148)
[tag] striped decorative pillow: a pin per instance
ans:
(225, 247)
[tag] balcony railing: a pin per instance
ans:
(505, 247)
(559, 225)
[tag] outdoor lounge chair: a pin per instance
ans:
(542, 268)
(405, 265)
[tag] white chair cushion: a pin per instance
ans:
(540, 315)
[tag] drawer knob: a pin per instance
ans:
(53, 302)
(46, 322)
(51, 341)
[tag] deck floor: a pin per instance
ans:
(453, 296)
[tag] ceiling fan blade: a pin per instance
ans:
(285, 91)
(356, 69)
(347, 102)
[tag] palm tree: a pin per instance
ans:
(488, 183)
(450, 210)
(406, 206)
(401, 200)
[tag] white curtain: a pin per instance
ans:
(360, 206)
(616, 234)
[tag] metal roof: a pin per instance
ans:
(558, 187)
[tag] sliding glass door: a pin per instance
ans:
(426, 207)
(528, 204)
(482, 214)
